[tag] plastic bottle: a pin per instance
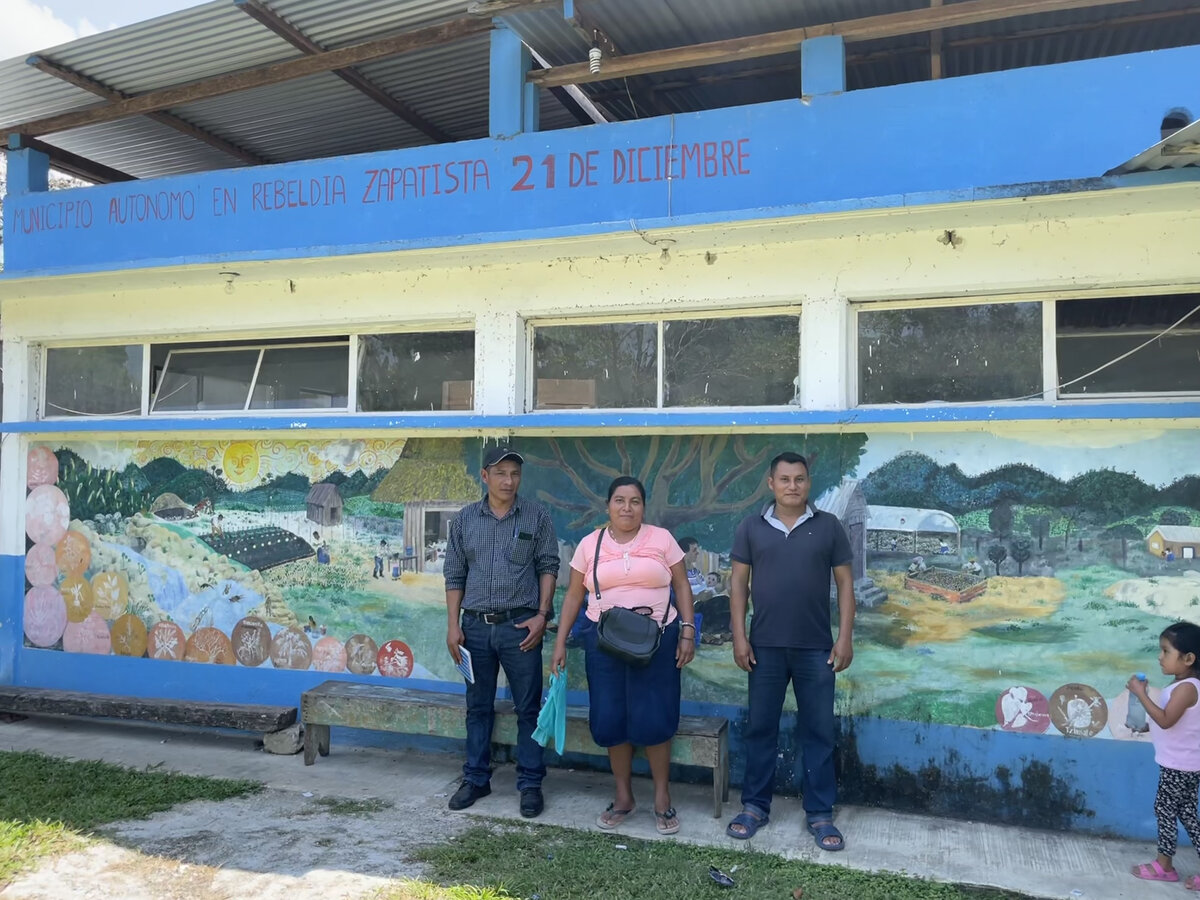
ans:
(1135, 718)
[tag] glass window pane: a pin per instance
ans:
(94, 381)
(302, 378)
(205, 379)
(1091, 333)
(596, 366)
(398, 372)
(749, 361)
(955, 354)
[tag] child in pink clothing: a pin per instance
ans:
(1175, 731)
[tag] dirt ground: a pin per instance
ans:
(338, 830)
(274, 845)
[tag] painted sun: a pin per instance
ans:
(240, 462)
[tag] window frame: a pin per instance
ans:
(242, 343)
(1050, 377)
(262, 352)
(658, 319)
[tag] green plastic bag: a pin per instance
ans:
(552, 720)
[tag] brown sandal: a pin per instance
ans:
(662, 818)
(612, 818)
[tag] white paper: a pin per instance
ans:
(464, 666)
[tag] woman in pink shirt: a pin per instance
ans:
(637, 567)
(1175, 731)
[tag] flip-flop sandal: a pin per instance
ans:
(612, 818)
(750, 821)
(826, 831)
(1153, 871)
(1193, 883)
(662, 818)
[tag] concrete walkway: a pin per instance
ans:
(1042, 864)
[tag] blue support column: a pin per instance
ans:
(512, 102)
(823, 65)
(531, 109)
(28, 170)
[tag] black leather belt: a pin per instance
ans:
(499, 618)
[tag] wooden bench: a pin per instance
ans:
(236, 716)
(701, 740)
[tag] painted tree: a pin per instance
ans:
(1039, 527)
(1174, 517)
(1124, 533)
(1071, 515)
(704, 482)
(1022, 549)
(1000, 519)
(997, 554)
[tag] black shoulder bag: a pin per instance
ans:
(625, 634)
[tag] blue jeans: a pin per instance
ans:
(493, 646)
(811, 678)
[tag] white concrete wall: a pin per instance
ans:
(1122, 241)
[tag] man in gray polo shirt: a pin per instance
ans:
(501, 567)
(791, 549)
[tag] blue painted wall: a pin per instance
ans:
(1035, 780)
(1065, 122)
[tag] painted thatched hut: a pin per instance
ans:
(432, 480)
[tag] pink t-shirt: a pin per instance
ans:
(1177, 747)
(634, 574)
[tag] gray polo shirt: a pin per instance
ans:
(496, 563)
(789, 578)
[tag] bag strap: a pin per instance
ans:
(596, 566)
(596, 577)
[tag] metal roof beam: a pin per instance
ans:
(914, 21)
(72, 164)
(490, 8)
(64, 73)
(275, 73)
(263, 14)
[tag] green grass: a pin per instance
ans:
(48, 805)
(571, 865)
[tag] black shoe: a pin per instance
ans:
(468, 793)
(532, 802)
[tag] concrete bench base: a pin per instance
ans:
(701, 740)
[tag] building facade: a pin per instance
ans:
(925, 288)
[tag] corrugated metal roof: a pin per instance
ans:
(448, 85)
(1173, 152)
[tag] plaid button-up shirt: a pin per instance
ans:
(497, 563)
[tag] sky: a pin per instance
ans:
(30, 25)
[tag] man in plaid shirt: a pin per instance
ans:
(501, 566)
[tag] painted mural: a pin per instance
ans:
(1002, 582)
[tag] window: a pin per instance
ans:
(94, 381)
(417, 371)
(746, 361)
(736, 361)
(266, 377)
(955, 354)
(1093, 338)
(431, 371)
(608, 366)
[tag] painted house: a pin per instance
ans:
(947, 253)
(324, 504)
(1181, 540)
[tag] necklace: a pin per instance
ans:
(624, 553)
(628, 540)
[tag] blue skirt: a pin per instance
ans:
(630, 705)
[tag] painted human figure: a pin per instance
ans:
(380, 557)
